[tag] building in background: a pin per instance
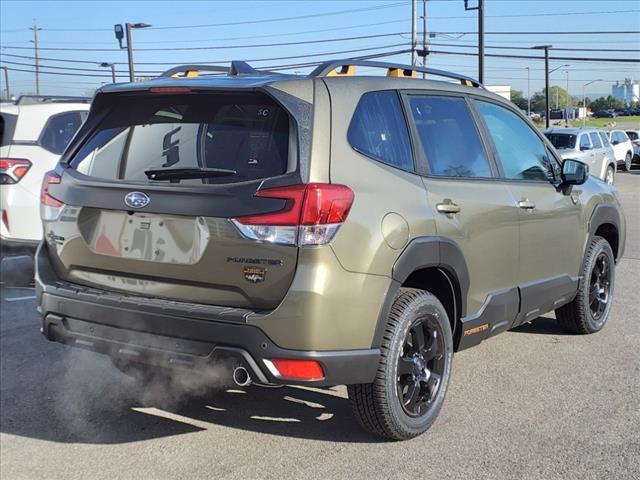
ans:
(502, 90)
(627, 92)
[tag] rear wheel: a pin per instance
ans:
(589, 311)
(609, 176)
(415, 365)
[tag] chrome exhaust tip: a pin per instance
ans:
(241, 377)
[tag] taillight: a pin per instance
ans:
(50, 207)
(13, 169)
(295, 369)
(312, 215)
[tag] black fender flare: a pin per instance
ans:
(426, 252)
(607, 213)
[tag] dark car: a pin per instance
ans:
(605, 114)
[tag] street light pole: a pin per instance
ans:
(129, 47)
(113, 69)
(6, 81)
(584, 100)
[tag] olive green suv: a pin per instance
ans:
(318, 230)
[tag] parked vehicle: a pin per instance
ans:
(34, 132)
(588, 145)
(622, 148)
(605, 114)
(319, 230)
(634, 136)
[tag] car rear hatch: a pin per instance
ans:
(150, 199)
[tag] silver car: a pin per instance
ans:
(588, 145)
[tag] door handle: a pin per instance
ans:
(447, 207)
(526, 204)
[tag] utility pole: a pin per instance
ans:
(528, 91)
(414, 27)
(546, 80)
(424, 34)
(37, 62)
(6, 81)
(480, 9)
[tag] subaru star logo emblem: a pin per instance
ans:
(136, 199)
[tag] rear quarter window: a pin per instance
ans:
(60, 129)
(378, 129)
(7, 127)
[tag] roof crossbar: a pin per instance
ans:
(190, 71)
(394, 69)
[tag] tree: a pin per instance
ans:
(557, 96)
(519, 100)
(607, 103)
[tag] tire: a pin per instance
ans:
(627, 161)
(610, 174)
(377, 406)
(579, 316)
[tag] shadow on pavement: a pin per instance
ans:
(542, 326)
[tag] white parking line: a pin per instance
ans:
(17, 299)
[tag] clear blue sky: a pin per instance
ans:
(89, 24)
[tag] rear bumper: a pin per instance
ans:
(112, 324)
(17, 246)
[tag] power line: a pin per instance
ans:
(529, 57)
(561, 49)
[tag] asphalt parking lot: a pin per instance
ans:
(533, 403)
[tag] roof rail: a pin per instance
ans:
(190, 71)
(347, 68)
(35, 99)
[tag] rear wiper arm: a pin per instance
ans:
(174, 175)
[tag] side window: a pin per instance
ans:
(521, 152)
(584, 142)
(605, 139)
(378, 129)
(449, 137)
(595, 139)
(59, 131)
(632, 135)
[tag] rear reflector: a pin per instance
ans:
(298, 369)
(13, 169)
(50, 207)
(312, 214)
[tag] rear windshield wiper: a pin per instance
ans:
(174, 175)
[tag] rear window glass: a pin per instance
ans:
(248, 134)
(60, 129)
(562, 140)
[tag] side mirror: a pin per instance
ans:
(584, 148)
(615, 142)
(574, 172)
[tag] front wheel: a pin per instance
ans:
(589, 310)
(627, 161)
(415, 365)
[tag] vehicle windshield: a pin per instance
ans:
(245, 133)
(562, 140)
